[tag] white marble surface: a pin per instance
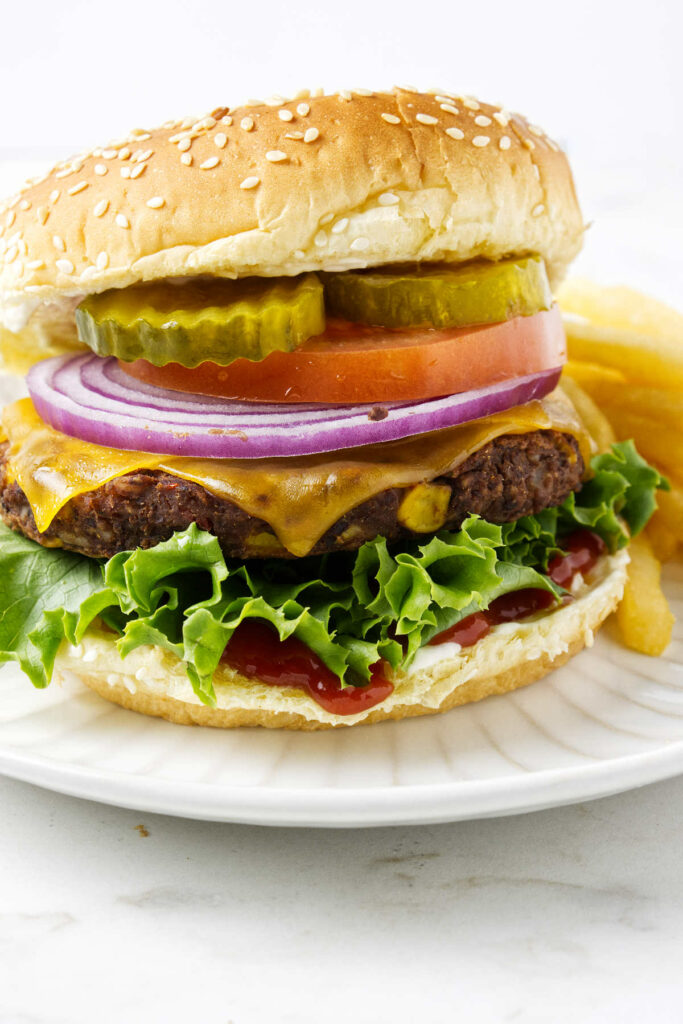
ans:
(566, 915)
(572, 915)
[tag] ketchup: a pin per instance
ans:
(583, 549)
(256, 650)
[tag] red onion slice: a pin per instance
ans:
(91, 398)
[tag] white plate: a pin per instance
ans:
(608, 721)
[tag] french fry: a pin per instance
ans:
(666, 407)
(664, 543)
(597, 425)
(644, 617)
(670, 511)
(592, 376)
(622, 309)
(653, 440)
(653, 362)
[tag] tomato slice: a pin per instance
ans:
(354, 363)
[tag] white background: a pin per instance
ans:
(572, 915)
(604, 77)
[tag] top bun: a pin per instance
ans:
(314, 183)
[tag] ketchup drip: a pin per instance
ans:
(255, 650)
(583, 549)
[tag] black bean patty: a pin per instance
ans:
(512, 476)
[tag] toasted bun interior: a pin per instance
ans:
(153, 682)
(316, 183)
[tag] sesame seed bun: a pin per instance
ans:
(315, 183)
(153, 682)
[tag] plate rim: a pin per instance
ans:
(353, 807)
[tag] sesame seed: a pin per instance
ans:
(327, 218)
(364, 92)
(502, 118)
(122, 220)
(42, 213)
(75, 189)
(251, 182)
(35, 264)
(54, 196)
(66, 266)
(184, 144)
(311, 134)
(536, 171)
(285, 115)
(209, 164)
(24, 205)
(276, 156)
(186, 158)
(125, 172)
(142, 155)
(535, 130)
(294, 135)
(538, 210)
(387, 199)
(101, 169)
(480, 141)
(109, 154)
(102, 261)
(482, 120)
(140, 134)
(303, 110)
(227, 120)
(138, 170)
(11, 254)
(65, 171)
(344, 94)
(321, 238)
(274, 101)
(426, 119)
(390, 118)
(449, 108)
(529, 143)
(455, 133)
(443, 99)
(247, 124)
(101, 208)
(504, 142)
(340, 226)
(553, 145)
(406, 88)
(470, 103)
(359, 244)
(59, 243)
(124, 154)
(220, 140)
(156, 202)
(10, 219)
(88, 273)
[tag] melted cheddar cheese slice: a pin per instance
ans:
(300, 498)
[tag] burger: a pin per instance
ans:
(297, 451)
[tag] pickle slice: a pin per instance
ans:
(208, 319)
(438, 295)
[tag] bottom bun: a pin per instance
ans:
(152, 681)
